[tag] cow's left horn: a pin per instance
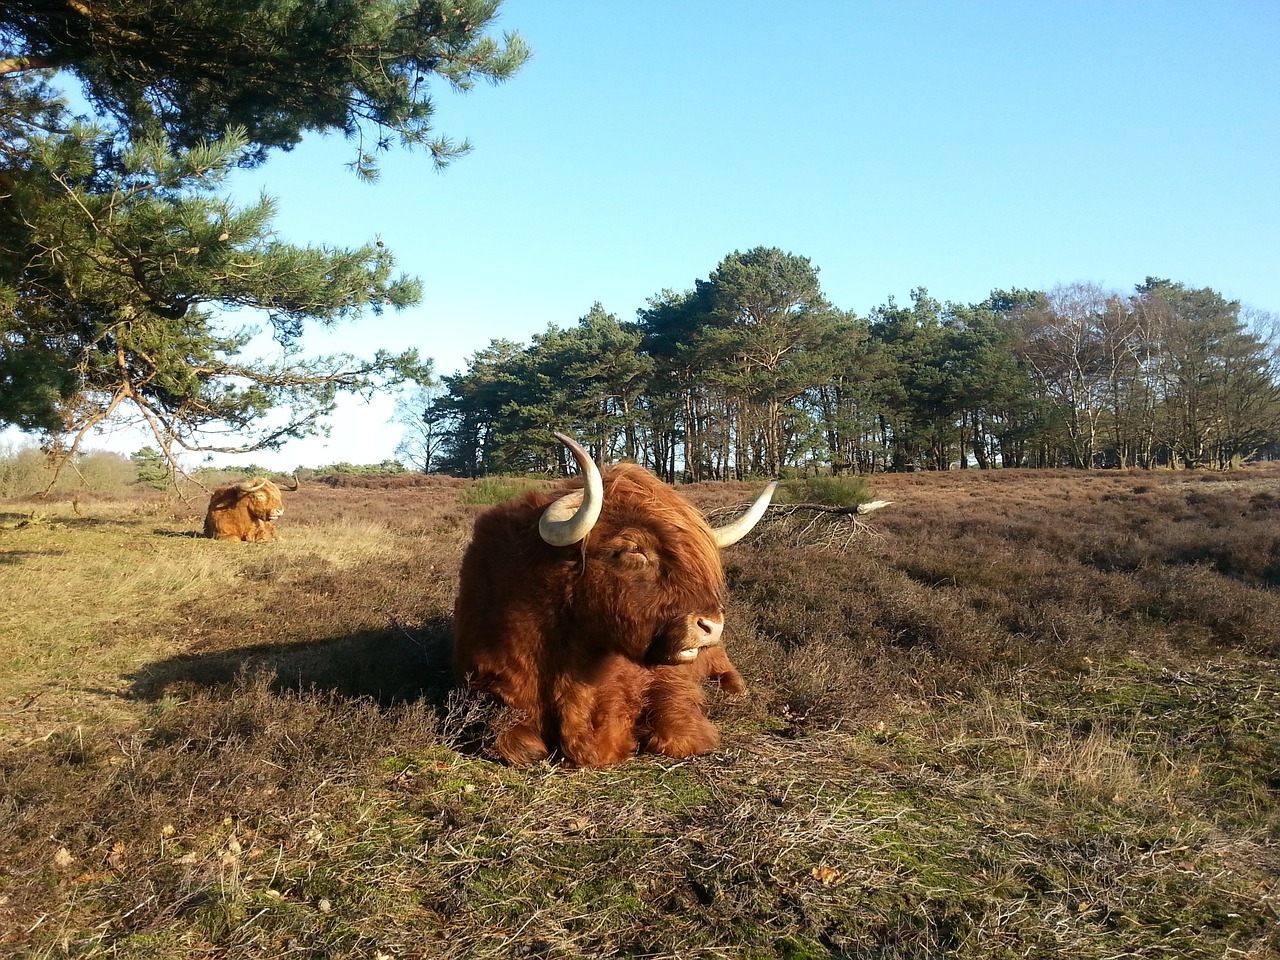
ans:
(569, 519)
(731, 533)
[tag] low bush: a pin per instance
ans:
(490, 490)
(826, 490)
(26, 471)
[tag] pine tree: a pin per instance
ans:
(152, 467)
(119, 256)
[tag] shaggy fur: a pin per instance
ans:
(581, 641)
(239, 514)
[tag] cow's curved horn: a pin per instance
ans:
(251, 484)
(569, 519)
(731, 533)
(295, 483)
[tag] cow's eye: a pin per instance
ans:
(631, 554)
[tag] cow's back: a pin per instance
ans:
(508, 600)
(228, 518)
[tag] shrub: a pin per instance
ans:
(100, 471)
(828, 491)
(22, 470)
(489, 490)
(25, 471)
(366, 469)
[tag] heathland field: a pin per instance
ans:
(1015, 714)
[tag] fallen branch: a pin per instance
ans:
(858, 509)
(809, 524)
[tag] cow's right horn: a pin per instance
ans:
(569, 519)
(251, 484)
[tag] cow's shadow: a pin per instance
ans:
(390, 666)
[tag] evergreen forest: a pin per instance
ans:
(753, 372)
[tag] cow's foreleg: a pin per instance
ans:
(675, 723)
(598, 717)
(521, 745)
(714, 664)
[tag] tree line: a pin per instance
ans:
(753, 372)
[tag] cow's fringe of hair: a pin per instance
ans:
(632, 485)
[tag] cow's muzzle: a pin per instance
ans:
(703, 632)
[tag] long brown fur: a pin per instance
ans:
(579, 641)
(235, 514)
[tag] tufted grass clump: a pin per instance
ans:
(491, 490)
(827, 490)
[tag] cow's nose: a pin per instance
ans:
(710, 629)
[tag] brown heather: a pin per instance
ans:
(1014, 714)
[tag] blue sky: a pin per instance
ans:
(958, 146)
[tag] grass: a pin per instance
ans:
(488, 490)
(123, 584)
(1016, 715)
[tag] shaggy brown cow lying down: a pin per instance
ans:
(595, 611)
(245, 511)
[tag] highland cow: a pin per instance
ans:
(594, 611)
(246, 510)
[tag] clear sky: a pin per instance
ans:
(958, 146)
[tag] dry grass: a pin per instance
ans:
(1016, 715)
